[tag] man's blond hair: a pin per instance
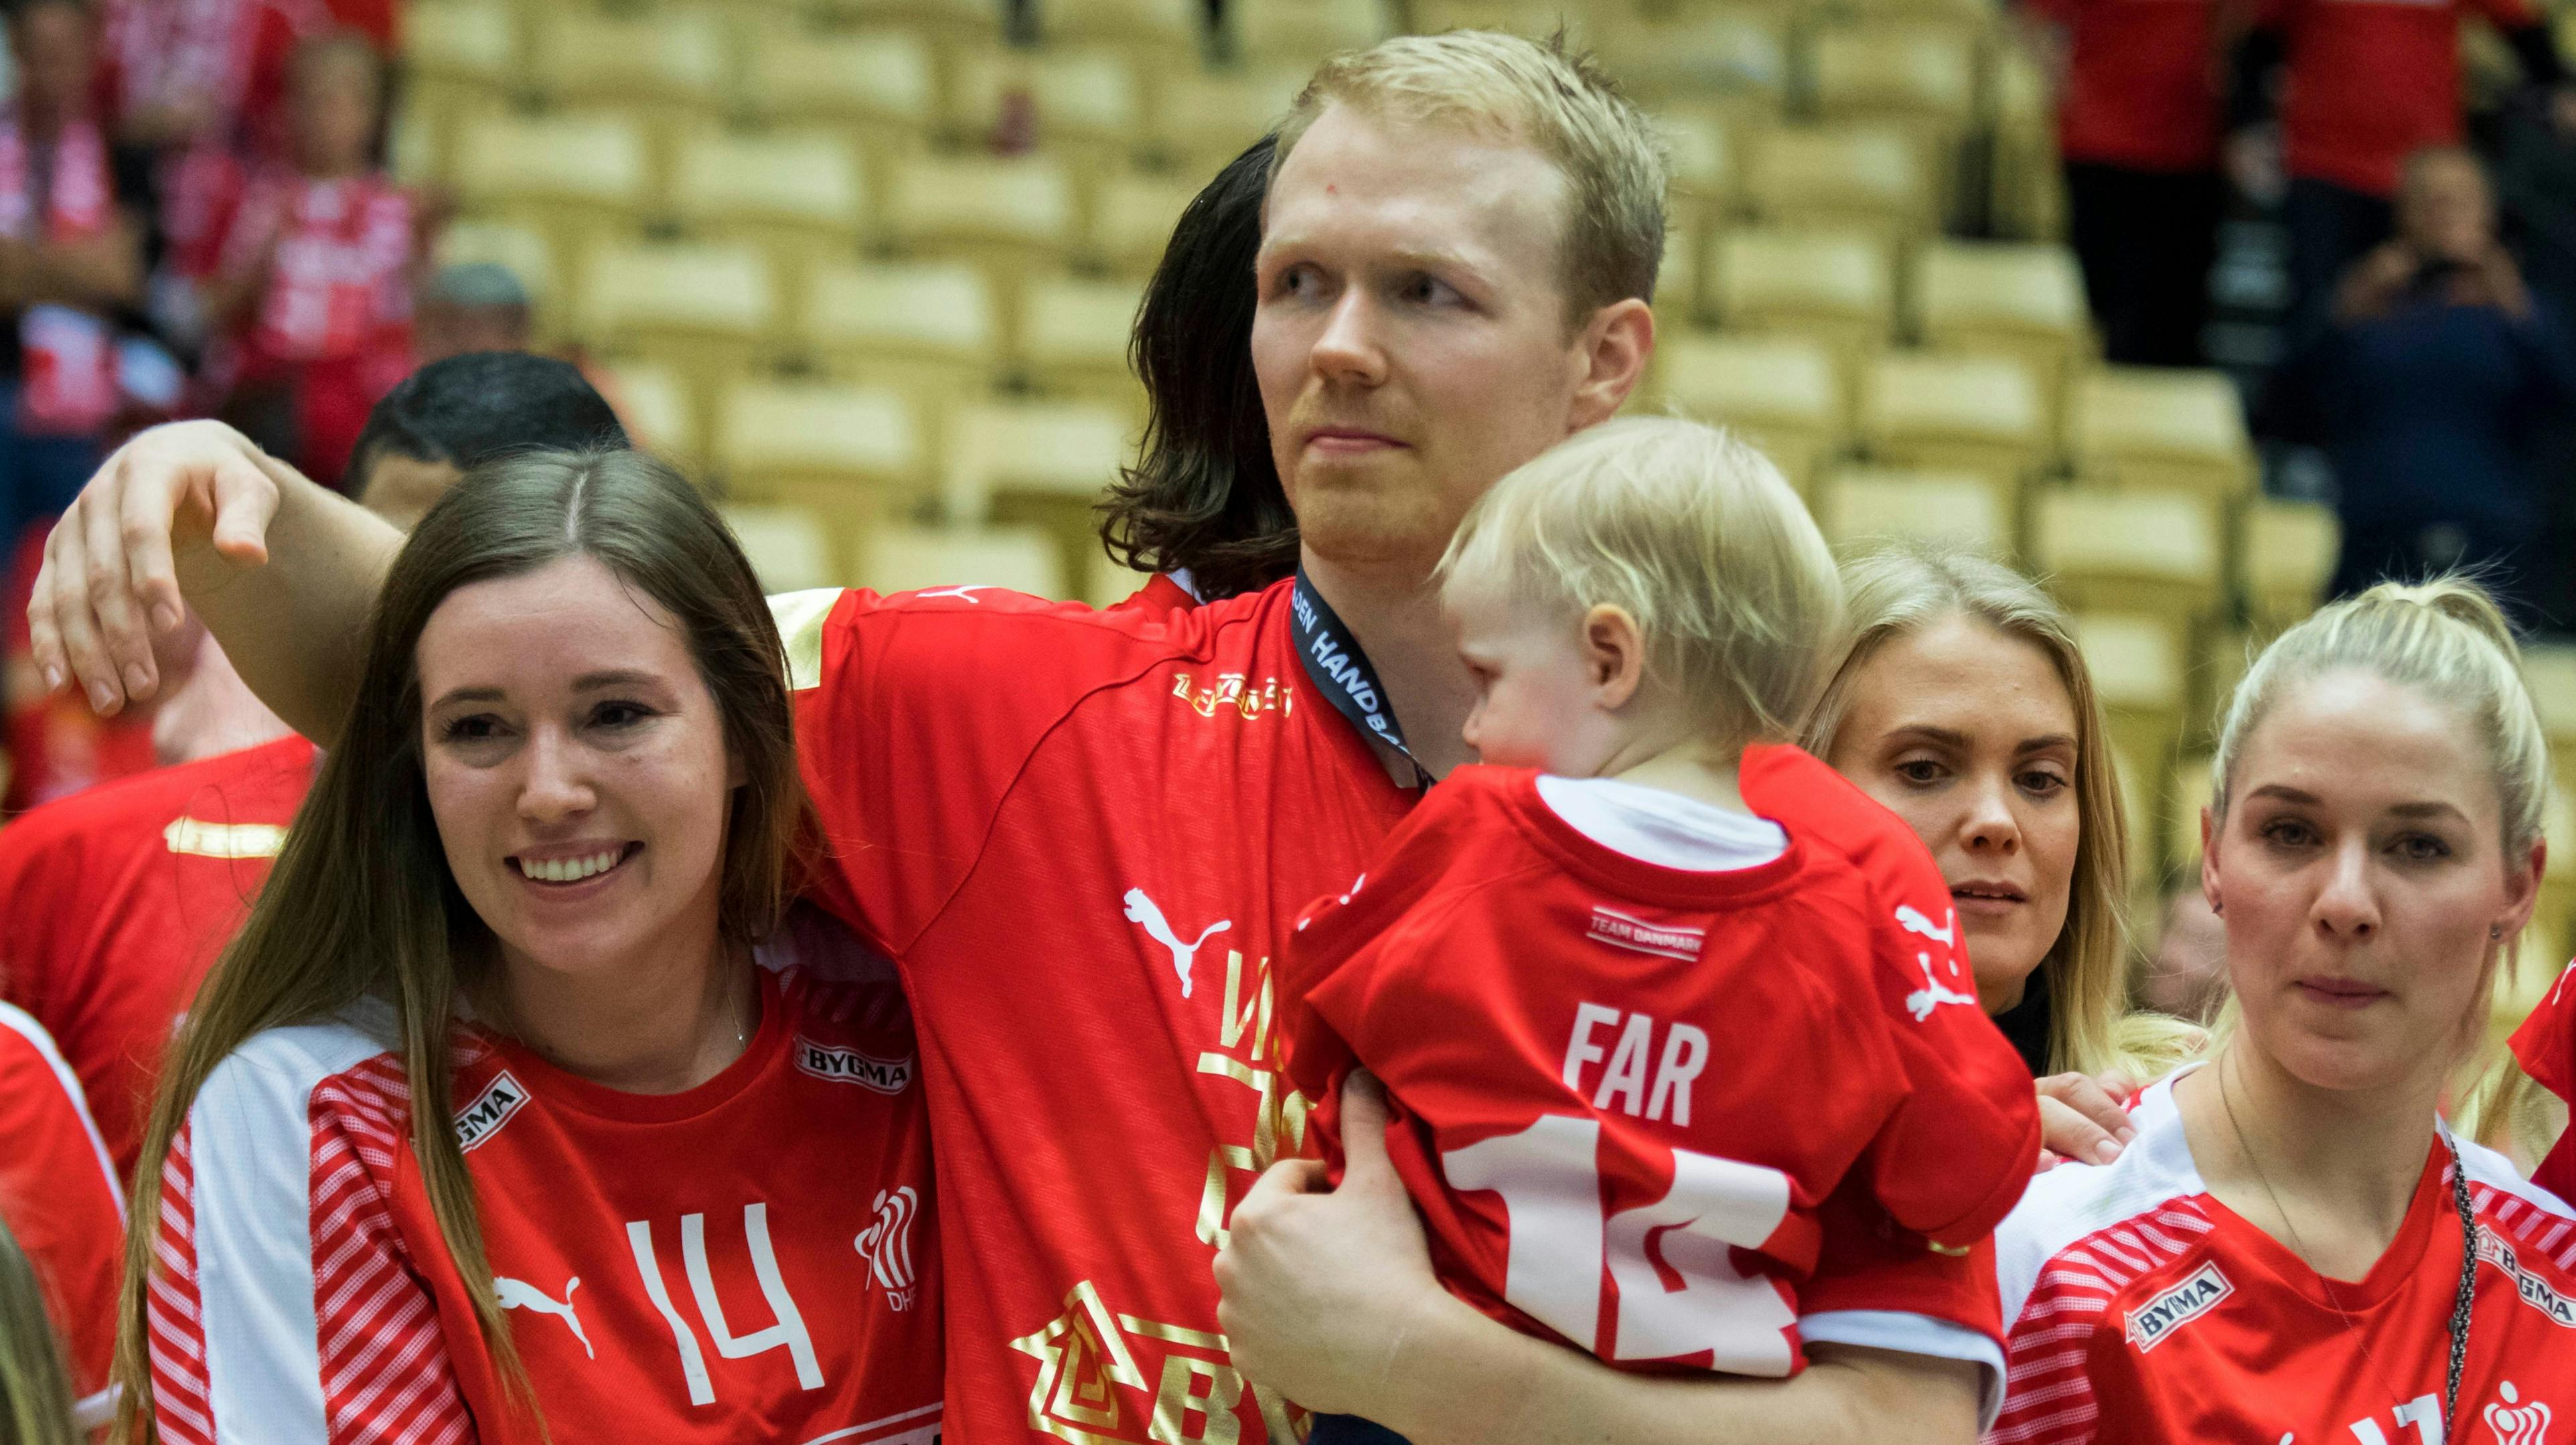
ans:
(1560, 103)
(1691, 531)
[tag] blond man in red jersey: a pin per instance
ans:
(1083, 835)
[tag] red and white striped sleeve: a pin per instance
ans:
(2059, 1287)
(285, 1308)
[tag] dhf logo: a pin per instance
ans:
(887, 1246)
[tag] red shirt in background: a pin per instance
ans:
(1556, 1020)
(119, 899)
(2545, 1045)
(2371, 81)
(56, 745)
(228, 58)
(60, 1198)
(2141, 86)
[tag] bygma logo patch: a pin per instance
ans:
(2177, 1307)
(849, 1066)
(490, 1110)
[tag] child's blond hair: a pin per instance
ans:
(1695, 535)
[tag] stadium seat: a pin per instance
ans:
(1701, 152)
(659, 410)
(790, 548)
(1534, 19)
(1732, 58)
(460, 58)
(1782, 392)
(909, 559)
(2027, 197)
(1155, 32)
(1866, 176)
(2549, 669)
(666, 62)
(520, 250)
(2008, 299)
(705, 310)
(881, 85)
(855, 455)
(1071, 340)
(2187, 791)
(1965, 413)
(930, 328)
(578, 178)
(1037, 464)
(1914, 74)
(1959, 508)
(944, 22)
(1106, 581)
(1302, 32)
(1006, 213)
(2129, 550)
(2287, 552)
(1834, 285)
(1204, 118)
(1132, 219)
(2136, 664)
(1088, 102)
(798, 195)
(2140, 426)
(1681, 287)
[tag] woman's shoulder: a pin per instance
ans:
(283, 1082)
(2147, 1198)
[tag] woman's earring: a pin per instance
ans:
(2496, 931)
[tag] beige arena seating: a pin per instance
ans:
(577, 177)
(2141, 796)
(2549, 668)
(930, 328)
(2136, 664)
(522, 251)
(1863, 175)
(1106, 581)
(669, 64)
(2138, 550)
(1734, 59)
(2006, 299)
(790, 548)
(460, 58)
(1917, 77)
(2543, 956)
(661, 412)
(1155, 32)
(2027, 197)
(855, 455)
(1036, 464)
(879, 85)
(2220, 653)
(1089, 102)
(1132, 217)
(1701, 150)
(415, 152)
(2187, 791)
(1782, 392)
(2140, 426)
(1837, 286)
(1204, 118)
(1302, 32)
(798, 195)
(1861, 503)
(1071, 340)
(1005, 214)
(1979, 414)
(2286, 554)
(944, 22)
(1536, 19)
(907, 559)
(707, 311)
(1681, 289)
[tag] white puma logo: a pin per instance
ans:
(1913, 922)
(1932, 995)
(1141, 910)
(966, 592)
(518, 1294)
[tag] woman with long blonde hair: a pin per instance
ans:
(521, 1108)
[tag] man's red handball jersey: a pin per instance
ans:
(2546, 1047)
(2141, 85)
(60, 1199)
(754, 1259)
(2143, 1309)
(2371, 81)
(119, 898)
(1558, 1021)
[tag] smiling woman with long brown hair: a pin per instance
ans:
(515, 1102)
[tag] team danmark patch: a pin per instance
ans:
(1621, 930)
(2178, 1306)
(849, 1066)
(490, 1110)
(2536, 1292)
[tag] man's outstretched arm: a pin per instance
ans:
(192, 514)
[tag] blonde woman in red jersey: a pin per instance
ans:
(516, 1110)
(2296, 1247)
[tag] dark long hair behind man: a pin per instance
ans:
(1204, 495)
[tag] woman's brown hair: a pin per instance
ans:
(361, 905)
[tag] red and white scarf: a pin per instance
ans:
(67, 357)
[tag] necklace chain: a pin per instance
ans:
(2462, 1302)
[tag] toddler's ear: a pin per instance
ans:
(1614, 654)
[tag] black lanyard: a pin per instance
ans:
(1341, 672)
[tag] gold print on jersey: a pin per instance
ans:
(1246, 1052)
(1087, 1356)
(1231, 692)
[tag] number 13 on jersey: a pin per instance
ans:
(1675, 1286)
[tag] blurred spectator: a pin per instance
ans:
(70, 258)
(477, 306)
(313, 295)
(2367, 83)
(2187, 975)
(2429, 386)
(2137, 122)
(35, 1393)
(188, 73)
